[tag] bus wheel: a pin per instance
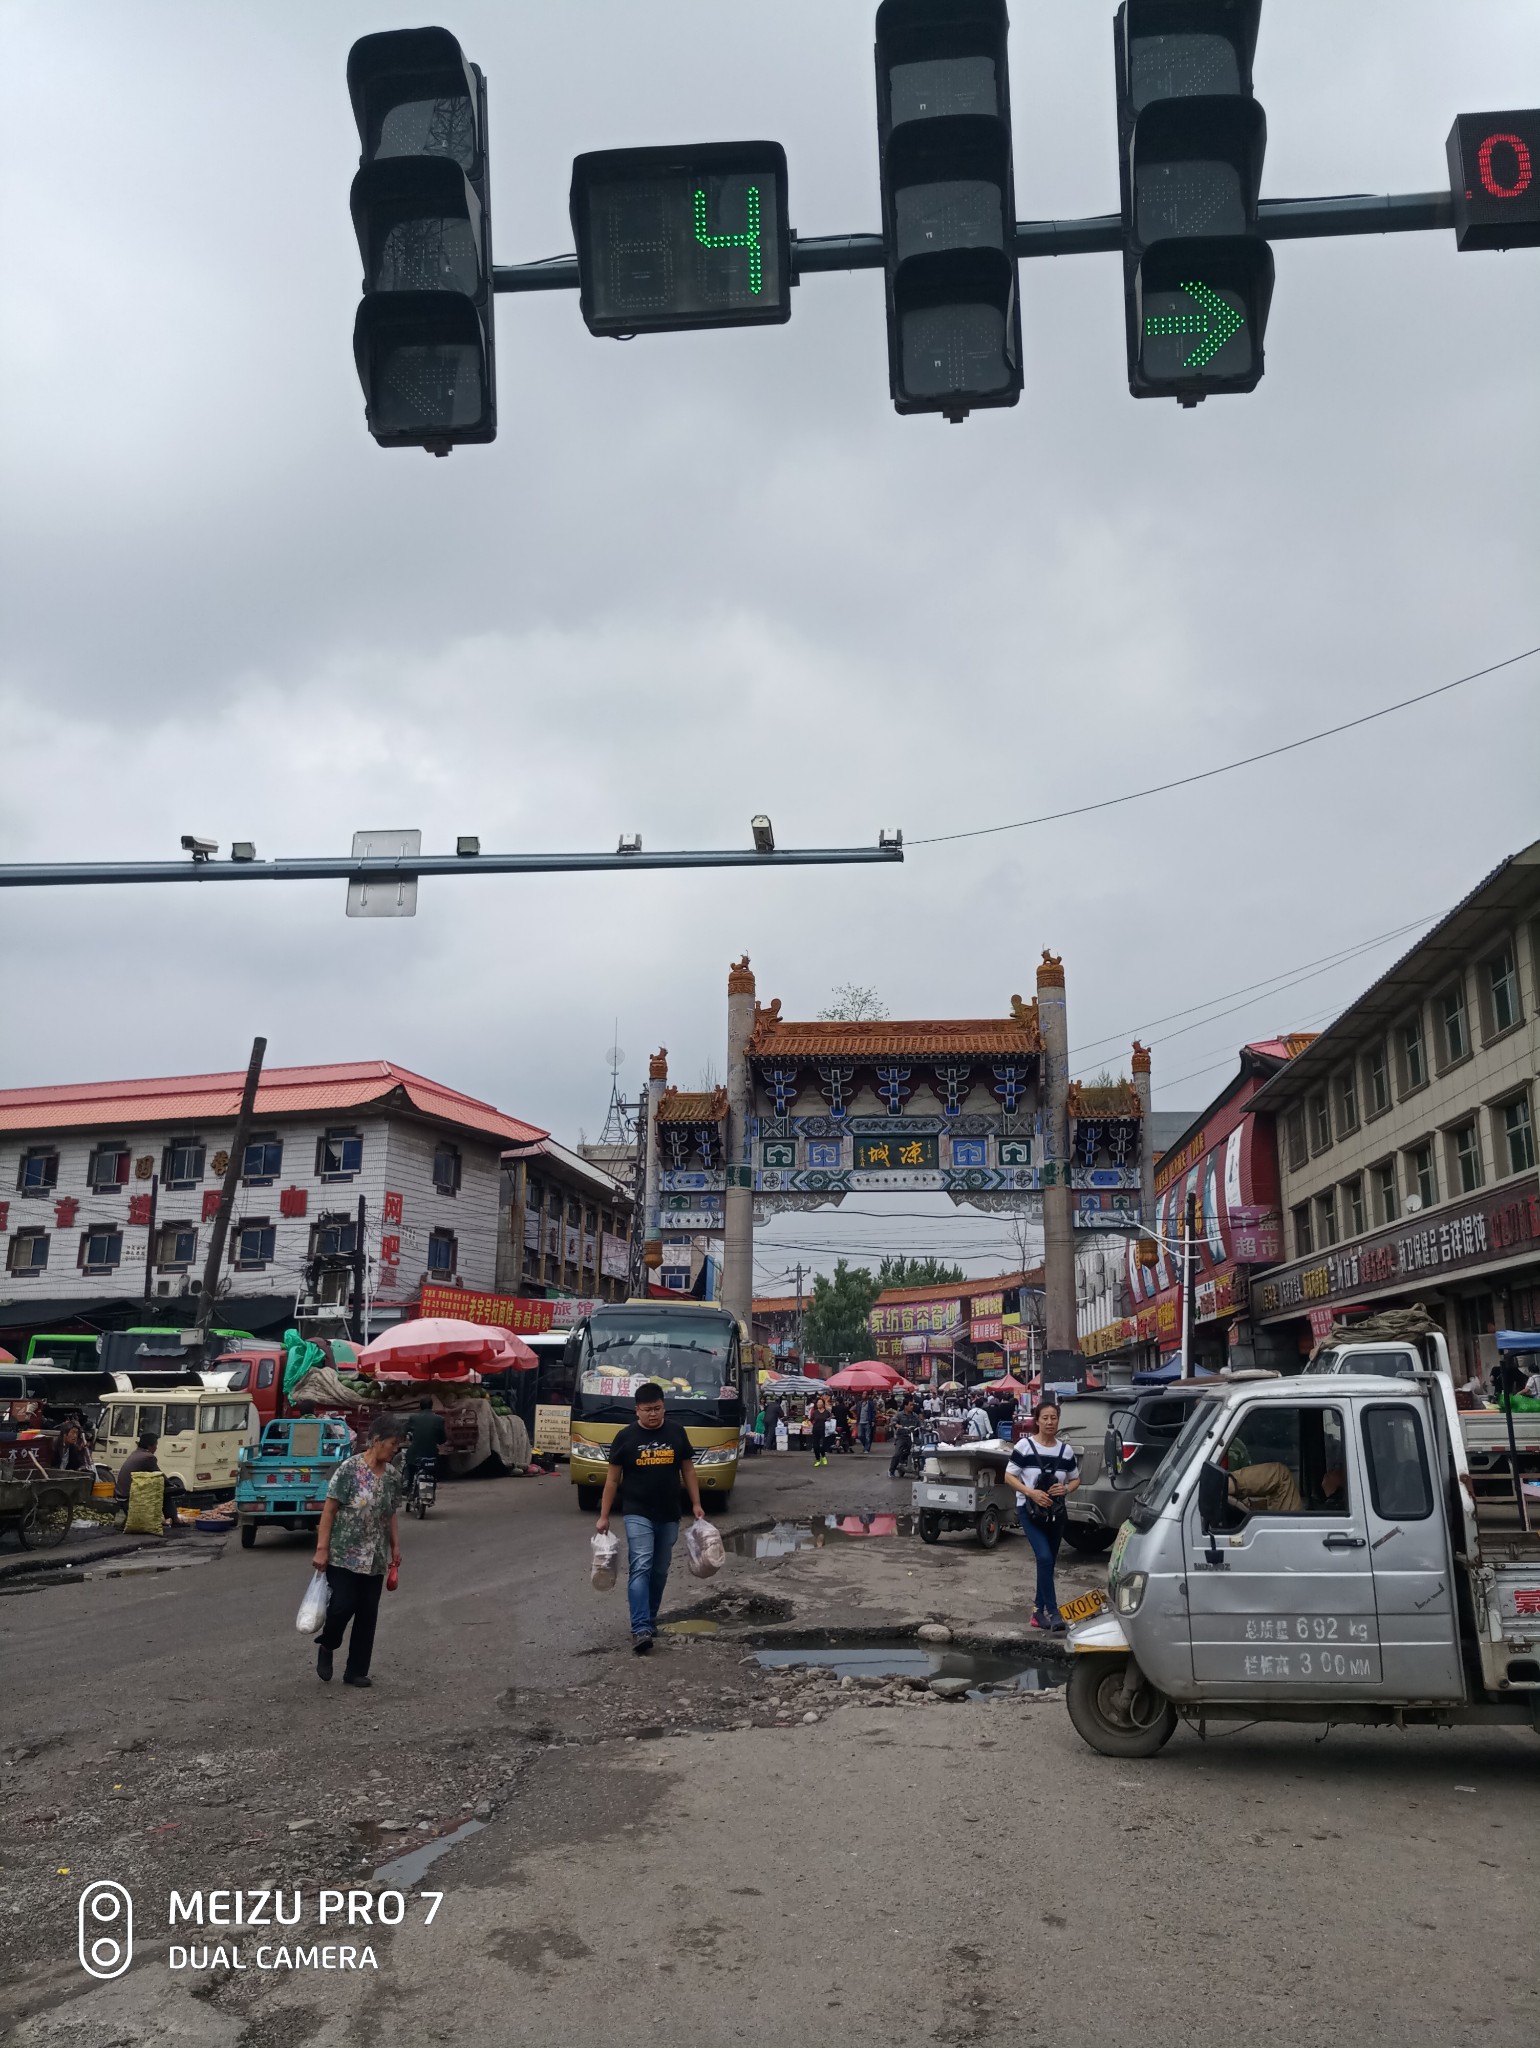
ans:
(589, 1498)
(1114, 1726)
(248, 1535)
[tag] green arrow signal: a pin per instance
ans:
(1215, 322)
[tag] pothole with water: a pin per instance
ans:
(813, 1532)
(989, 1673)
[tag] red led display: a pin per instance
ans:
(1492, 180)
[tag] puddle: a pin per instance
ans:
(688, 1628)
(989, 1672)
(406, 1870)
(813, 1533)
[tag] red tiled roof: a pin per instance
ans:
(957, 1038)
(282, 1091)
(960, 1290)
(702, 1108)
(1120, 1099)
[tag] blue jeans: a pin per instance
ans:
(1045, 1548)
(649, 1552)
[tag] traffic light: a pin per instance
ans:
(1197, 274)
(678, 238)
(1492, 163)
(948, 205)
(423, 336)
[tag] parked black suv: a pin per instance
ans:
(1119, 1436)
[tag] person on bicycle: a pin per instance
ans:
(425, 1433)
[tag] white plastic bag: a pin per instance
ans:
(782, 1437)
(606, 1550)
(312, 1609)
(705, 1552)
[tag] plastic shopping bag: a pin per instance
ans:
(312, 1609)
(705, 1552)
(606, 1550)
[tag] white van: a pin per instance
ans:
(201, 1435)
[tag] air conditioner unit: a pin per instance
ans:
(163, 1287)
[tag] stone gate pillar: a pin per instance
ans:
(1058, 1222)
(1139, 1066)
(652, 1207)
(738, 1235)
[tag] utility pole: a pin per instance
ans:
(799, 1315)
(1189, 1233)
(149, 1243)
(233, 1167)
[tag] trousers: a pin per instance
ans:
(354, 1597)
(1045, 1548)
(649, 1552)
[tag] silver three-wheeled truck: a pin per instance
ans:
(1314, 1550)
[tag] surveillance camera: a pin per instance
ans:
(764, 835)
(630, 842)
(199, 848)
(467, 846)
(889, 841)
(243, 849)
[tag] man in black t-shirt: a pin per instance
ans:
(425, 1437)
(650, 1460)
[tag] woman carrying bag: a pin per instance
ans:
(1045, 1472)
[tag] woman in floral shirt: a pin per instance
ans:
(357, 1541)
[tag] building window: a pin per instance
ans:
(1500, 986)
(38, 1173)
(1326, 1217)
(339, 1155)
(109, 1168)
(534, 1195)
(1518, 1134)
(263, 1161)
(1386, 1204)
(446, 1168)
(101, 1248)
(574, 1213)
(1414, 1059)
(1304, 1237)
(1320, 1122)
(1353, 1205)
(181, 1163)
(28, 1252)
(1465, 1157)
(552, 1270)
(256, 1243)
(1346, 1086)
(532, 1265)
(1377, 1079)
(1299, 1149)
(442, 1252)
(1424, 1174)
(176, 1246)
(333, 1237)
(1453, 1024)
(590, 1217)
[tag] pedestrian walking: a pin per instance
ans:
(905, 1423)
(355, 1545)
(866, 1422)
(821, 1428)
(650, 1459)
(772, 1422)
(1044, 1471)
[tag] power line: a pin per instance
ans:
(1229, 767)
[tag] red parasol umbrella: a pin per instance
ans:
(1001, 1386)
(869, 1377)
(443, 1348)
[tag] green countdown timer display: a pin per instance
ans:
(679, 238)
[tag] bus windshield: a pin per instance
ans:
(689, 1356)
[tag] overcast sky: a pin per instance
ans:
(702, 576)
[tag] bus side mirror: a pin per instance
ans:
(1214, 1510)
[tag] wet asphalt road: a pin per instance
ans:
(891, 1873)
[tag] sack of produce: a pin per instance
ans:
(705, 1552)
(146, 1504)
(606, 1560)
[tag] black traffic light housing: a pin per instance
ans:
(423, 336)
(1197, 273)
(948, 205)
(1494, 180)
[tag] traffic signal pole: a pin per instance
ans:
(1279, 220)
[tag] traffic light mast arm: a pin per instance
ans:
(46, 874)
(1278, 220)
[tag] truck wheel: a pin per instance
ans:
(248, 1535)
(930, 1528)
(1138, 1727)
(989, 1527)
(589, 1498)
(1091, 1539)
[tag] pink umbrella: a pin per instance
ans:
(443, 1348)
(869, 1377)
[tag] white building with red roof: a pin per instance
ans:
(108, 1189)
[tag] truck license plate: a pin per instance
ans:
(1084, 1607)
